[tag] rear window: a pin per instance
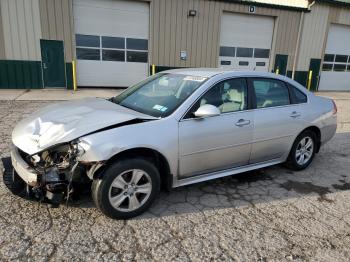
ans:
(298, 96)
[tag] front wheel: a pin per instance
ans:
(303, 151)
(127, 188)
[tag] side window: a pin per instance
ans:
(229, 96)
(270, 92)
(298, 96)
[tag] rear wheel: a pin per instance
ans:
(303, 151)
(127, 188)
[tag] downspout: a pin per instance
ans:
(298, 38)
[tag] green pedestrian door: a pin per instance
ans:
(52, 56)
(281, 64)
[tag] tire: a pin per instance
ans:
(15, 183)
(136, 184)
(294, 160)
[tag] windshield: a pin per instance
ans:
(159, 95)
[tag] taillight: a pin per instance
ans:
(335, 109)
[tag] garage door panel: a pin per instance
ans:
(111, 22)
(97, 73)
(338, 40)
(245, 41)
(336, 62)
(246, 30)
(120, 58)
(339, 81)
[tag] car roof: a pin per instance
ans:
(210, 72)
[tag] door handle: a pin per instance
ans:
(44, 66)
(242, 122)
(295, 114)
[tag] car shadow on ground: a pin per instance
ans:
(329, 173)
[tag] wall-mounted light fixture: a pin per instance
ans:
(192, 13)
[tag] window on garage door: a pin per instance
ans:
(336, 62)
(110, 48)
(88, 47)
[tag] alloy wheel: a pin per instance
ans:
(130, 190)
(304, 150)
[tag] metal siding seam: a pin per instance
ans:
(71, 26)
(37, 27)
(30, 29)
(19, 33)
(66, 30)
(178, 32)
(156, 34)
(210, 33)
(297, 44)
(167, 32)
(150, 33)
(216, 33)
(189, 35)
(175, 30)
(197, 50)
(205, 35)
(284, 42)
(7, 30)
(16, 53)
(59, 20)
(273, 43)
(2, 40)
(51, 19)
(162, 21)
(183, 31)
(197, 25)
(43, 18)
(195, 32)
(172, 32)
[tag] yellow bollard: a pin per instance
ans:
(309, 80)
(74, 69)
(277, 71)
(153, 69)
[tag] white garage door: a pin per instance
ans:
(335, 73)
(111, 42)
(245, 41)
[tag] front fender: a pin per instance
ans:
(160, 135)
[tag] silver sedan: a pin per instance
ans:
(173, 129)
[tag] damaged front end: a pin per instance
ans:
(51, 175)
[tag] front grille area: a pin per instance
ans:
(25, 156)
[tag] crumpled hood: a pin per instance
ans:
(66, 121)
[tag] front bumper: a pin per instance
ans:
(27, 173)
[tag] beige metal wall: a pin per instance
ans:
(173, 31)
(2, 41)
(289, 3)
(315, 30)
(56, 18)
(21, 29)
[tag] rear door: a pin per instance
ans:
(276, 119)
(219, 142)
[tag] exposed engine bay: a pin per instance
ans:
(58, 172)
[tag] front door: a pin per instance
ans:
(52, 56)
(219, 142)
(276, 120)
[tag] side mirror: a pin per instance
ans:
(207, 110)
